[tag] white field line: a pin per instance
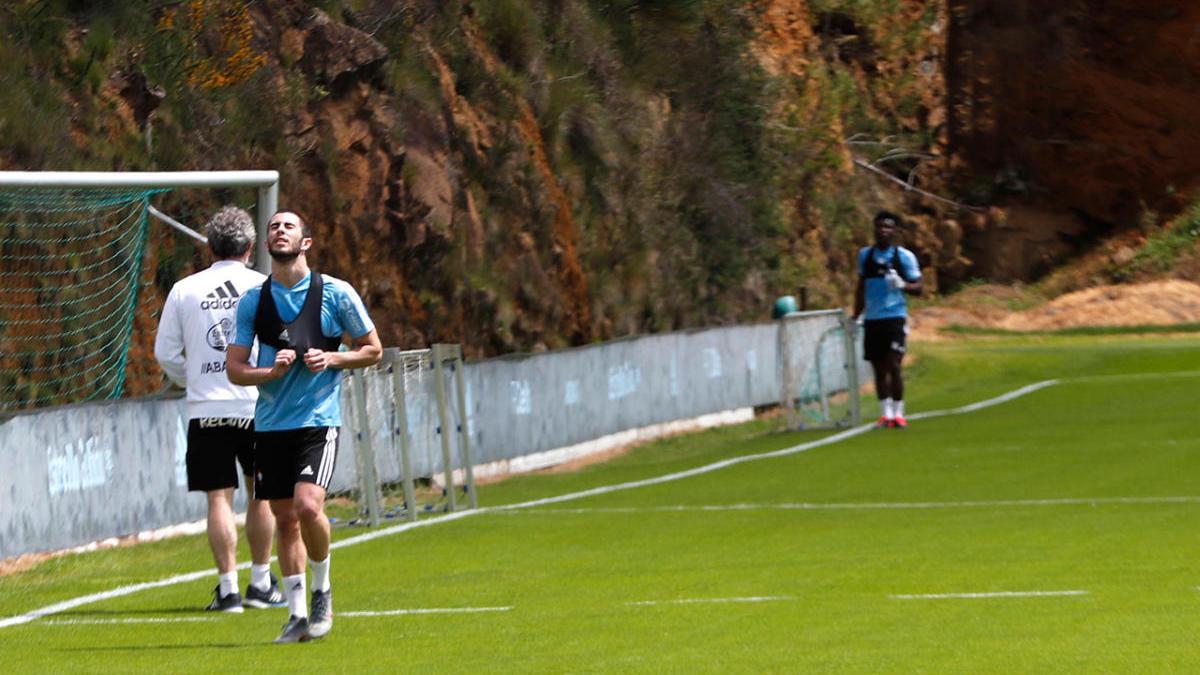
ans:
(149, 619)
(705, 601)
(430, 610)
(404, 527)
(869, 506)
(985, 596)
(106, 595)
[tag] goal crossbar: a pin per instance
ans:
(138, 179)
(267, 182)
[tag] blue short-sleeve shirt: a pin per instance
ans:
(302, 398)
(882, 301)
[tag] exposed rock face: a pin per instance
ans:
(335, 51)
(1073, 119)
(1085, 112)
(578, 172)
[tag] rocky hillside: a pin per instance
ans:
(522, 175)
(1078, 118)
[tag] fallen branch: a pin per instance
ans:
(871, 167)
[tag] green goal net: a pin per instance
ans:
(70, 264)
(72, 270)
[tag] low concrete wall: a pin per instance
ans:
(80, 473)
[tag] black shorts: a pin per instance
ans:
(215, 446)
(881, 336)
(284, 458)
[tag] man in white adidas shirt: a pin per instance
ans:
(196, 326)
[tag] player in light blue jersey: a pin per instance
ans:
(301, 318)
(886, 271)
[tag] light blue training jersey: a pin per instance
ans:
(302, 398)
(882, 301)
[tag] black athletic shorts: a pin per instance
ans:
(881, 336)
(215, 446)
(284, 458)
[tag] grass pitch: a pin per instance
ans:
(1054, 532)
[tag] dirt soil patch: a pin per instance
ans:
(1156, 303)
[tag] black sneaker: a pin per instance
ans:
(225, 603)
(321, 621)
(295, 630)
(272, 597)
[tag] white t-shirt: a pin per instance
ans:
(197, 324)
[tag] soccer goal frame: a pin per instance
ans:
(408, 409)
(819, 374)
(72, 246)
(266, 181)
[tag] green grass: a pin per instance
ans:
(1137, 329)
(1066, 488)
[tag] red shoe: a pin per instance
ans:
(899, 422)
(884, 423)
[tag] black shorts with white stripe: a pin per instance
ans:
(284, 458)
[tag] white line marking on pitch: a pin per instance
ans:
(431, 610)
(404, 527)
(999, 594)
(698, 601)
(96, 622)
(852, 506)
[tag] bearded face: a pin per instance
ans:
(285, 238)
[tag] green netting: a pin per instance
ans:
(70, 265)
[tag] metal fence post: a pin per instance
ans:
(439, 352)
(367, 476)
(464, 434)
(849, 327)
(400, 428)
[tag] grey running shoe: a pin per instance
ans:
(272, 597)
(225, 603)
(295, 630)
(321, 621)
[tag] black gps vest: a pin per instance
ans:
(873, 269)
(302, 333)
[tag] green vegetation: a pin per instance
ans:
(1164, 248)
(1083, 487)
(699, 182)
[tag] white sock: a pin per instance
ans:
(293, 588)
(886, 404)
(898, 406)
(260, 576)
(228, 583)
(320, 574)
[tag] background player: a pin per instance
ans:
(193, 332)
(886, 271)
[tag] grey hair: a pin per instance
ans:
(230, 232)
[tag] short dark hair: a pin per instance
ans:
(883, 218)
(230, 232)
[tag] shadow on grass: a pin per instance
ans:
(144, 648)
